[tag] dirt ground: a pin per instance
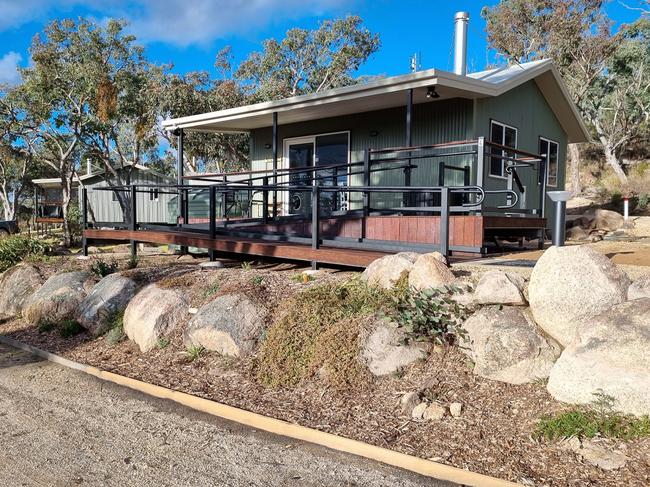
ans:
(492, 436)
(60, 427)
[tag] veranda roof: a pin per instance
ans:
(388, 93)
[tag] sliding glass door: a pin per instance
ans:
(326, 153)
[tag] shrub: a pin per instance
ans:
(290, 352)
(16, 248)
(46, 326)
(70, 328)
(102, 269)
(430, 314)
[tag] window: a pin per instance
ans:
(114, 195)
(550, 150)
(501, 134)
(153, 194)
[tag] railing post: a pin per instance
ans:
(480, 162)
(224, 207)
(84, 219)
(315, 222)
(366, 194)
(134, 219)
(213, 223)
(542, 186)
(250, 199)
(265, 200)
(444, 221)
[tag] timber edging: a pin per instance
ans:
(276, 426)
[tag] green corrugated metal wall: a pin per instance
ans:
(433, 122)
(526, 109)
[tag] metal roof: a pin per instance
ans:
(388, 93)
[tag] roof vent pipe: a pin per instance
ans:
(460, 42)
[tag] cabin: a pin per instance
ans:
(431, 160)
(103, 208)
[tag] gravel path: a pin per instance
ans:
(59, 427)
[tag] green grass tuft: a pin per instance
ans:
(586, 423)
(46, 326)
(116, 333)
(70, 328)
(193, 352)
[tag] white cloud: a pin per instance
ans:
(179, 22)
(9, 68)
(201, 21)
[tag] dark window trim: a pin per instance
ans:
(547, 162)
(504, 125)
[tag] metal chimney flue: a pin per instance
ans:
(461, 19)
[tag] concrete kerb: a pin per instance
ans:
(271, 425)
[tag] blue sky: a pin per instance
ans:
(189, 33)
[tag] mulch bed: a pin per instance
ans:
(492, 436)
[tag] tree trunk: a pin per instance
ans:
(613, 161)
(66, 195)
(574, 157)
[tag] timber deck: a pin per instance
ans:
(248, 246)
(342, 238)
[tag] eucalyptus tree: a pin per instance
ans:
(17, 159)
(577, 35)
(199, 92)
(308, 61)
(54, 98)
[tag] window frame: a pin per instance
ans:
(547, 160)
(503, 168)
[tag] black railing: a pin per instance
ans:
(318, 195)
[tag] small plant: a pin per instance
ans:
(193, 352)
(257, 280)
(46, 326)
(212, 290)
(70, 328)
(132, 262)
(429, 314)
(116, 333)
(246, 265)
(102, 269)
(162, 343)
(302, 277)
(399, 373)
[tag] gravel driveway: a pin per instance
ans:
(59, 427)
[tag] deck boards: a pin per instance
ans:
(281, 250)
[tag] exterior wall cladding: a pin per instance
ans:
(523, 107)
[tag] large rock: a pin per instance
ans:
(16, 286)
(385, 272)
(610, 356)
(108, 297)
(604, 220)
(497, 287)
(571, 283)
(506, 346)
(229, 325)
(430, 271)
(153, 313)
(639, 288)
(57, 299)
(384, 351)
